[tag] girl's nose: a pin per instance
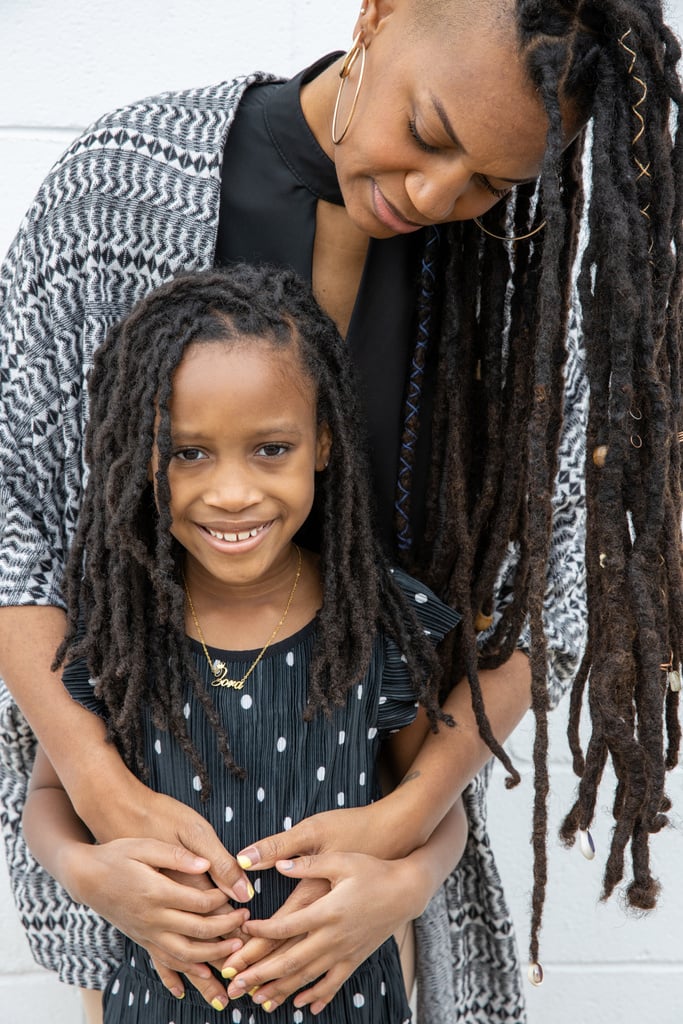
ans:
(232, 489)
(434, 193)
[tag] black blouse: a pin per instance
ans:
(274, 172)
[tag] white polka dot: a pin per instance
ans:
(132, 961)
(391, 571)
(383, 700)
(404, 659)
(197, 783)
(186, 711)
(361, 779)
(359, 1000)
(260, 794)
(257, 885)
(342, 737)
(281, 744)
(427, 632)
(157, 746)
(287, 824)
(372, 732)
(298, 1017)
(237, 1016)
(383, 988)
(92, 682)
(340, 799)
(115, 987)
(228, 813)
(360, 691)
(131, 998)
(321, 773)
(421, 598)
(146, 997)
(290, 658)
(246, 701)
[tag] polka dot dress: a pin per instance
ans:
(294, 769)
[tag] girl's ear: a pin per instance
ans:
(323, 447)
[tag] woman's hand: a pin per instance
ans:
(161, 897)
(331, 937)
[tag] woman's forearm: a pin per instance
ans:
(450, 759)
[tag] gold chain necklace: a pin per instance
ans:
(219, 669)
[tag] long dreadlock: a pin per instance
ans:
(125, 598)
(500, 337)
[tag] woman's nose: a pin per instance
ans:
(434, 193)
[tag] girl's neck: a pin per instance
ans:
(241, 616)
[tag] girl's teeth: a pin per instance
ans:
(244, 535)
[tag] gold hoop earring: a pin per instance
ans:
(509, 238)
(345, 71)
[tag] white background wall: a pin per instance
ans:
(61, 65)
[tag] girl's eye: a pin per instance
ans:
(272, 450)
(189, 455)
(499, 193)
(424, 146)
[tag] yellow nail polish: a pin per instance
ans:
(268, 1006)
(229, 972)
(250, 890)
(244, 862)
(217, 1004)
(254, 990)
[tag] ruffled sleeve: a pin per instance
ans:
(81, 686)
(397, 704)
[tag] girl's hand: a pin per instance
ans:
(330, 938)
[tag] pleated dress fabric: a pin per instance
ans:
(294, 769)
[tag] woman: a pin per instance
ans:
(443, 108)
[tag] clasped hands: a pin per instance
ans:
(180, 907)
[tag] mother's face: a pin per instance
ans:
(446, 121)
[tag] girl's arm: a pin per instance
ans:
(107, 797)
(138, 885)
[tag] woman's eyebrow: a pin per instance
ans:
(450, 132)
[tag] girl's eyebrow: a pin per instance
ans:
(450, 132)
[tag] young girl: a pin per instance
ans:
(224, 412)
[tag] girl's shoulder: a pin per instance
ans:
(436, 617)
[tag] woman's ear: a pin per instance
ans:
(323, 447)
(373, 14)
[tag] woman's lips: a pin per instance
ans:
(386, 213)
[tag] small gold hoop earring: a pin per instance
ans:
(509, 238)
(345, 71)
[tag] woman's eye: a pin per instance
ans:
(499, 193)
(189, 455)
(273, 450)
(424, 146)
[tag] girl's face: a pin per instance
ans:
(245, 448)
(446, 121)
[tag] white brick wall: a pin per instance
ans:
(61, 65)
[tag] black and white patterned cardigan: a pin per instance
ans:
(132, 202)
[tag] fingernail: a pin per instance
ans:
(247, 858)
(285, 865)
(218, 1004)
(243, 890)
(237, 989)
(254, 990)
(178, 992)
(268, 1006)
(229, 972)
